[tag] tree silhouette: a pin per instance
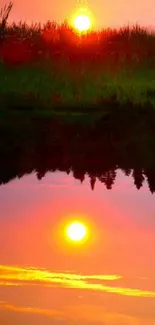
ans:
(150, 176)
(138, 177)
(126, 171)
(108, 178)
(92, 182)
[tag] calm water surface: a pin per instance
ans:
(108, 279)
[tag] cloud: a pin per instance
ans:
(89, 314)
(19, 276)
(31, 310)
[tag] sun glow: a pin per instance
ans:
(82, 22)
(81, 19)
(76, 231)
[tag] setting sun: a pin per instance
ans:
(76, 231)
(82, 23)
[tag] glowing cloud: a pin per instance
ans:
(10, 275)
(88, 313)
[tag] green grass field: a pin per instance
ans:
(43, 86)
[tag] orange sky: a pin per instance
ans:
(43, 279)
(106, 12)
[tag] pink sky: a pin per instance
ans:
(106, 12)
(35, 290)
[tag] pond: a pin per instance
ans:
(106, 276)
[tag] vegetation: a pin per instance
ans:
(50, 68)
(29, 144)
(97, 88)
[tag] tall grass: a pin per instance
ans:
(55, 41)
(53, 61)
(4, 14)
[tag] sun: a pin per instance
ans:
(76, 231)
(82, 22)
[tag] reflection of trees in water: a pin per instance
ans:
(138, 177)
(150, 176)
(107, 177)
(97, 152)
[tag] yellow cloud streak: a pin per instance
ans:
(35, 274)
(10, 275)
